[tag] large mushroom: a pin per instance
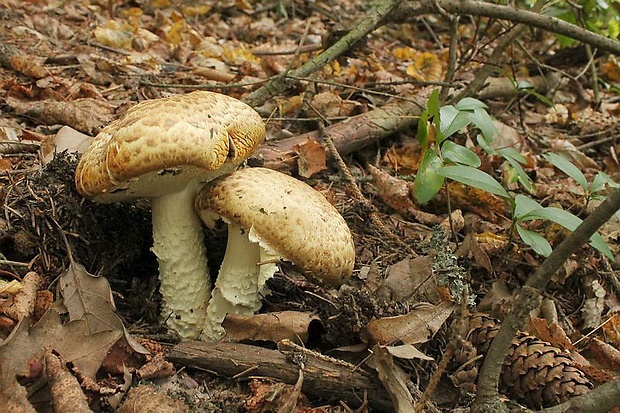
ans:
(271, 217)
(164, 150)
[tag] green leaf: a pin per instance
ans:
(510, 152)
(538, 243)
(473, 177)
(470, 104)
(452, 120)
(485, 144)
(459, 154)
(427, 182)
(524, 85)
(484, 122)
(522, 176)
(570, 222)
(568, 168)
(542, 98)
(523, 206)
(433, 104)
(601, 180)
(423, 129)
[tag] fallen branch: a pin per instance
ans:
(323, 379)
(349, 135)
(277, 85)
(370, 127)
(515, 15)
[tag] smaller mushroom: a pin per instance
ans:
(271, 217)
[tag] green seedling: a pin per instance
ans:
(592, 191)
(444, 159)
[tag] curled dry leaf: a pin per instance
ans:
(67, 395)
(311, 158)
(13, 58)
(292, 325)
(66, 139)
(397, 193)
(23, 301)
(43, 303)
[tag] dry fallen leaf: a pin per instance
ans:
(66, 139)
(86, 115)
(13, 396)
(470, 246)
(410, 276)
(407, 351)
(311, 159)
(292, 325)
(89, 298)
(417, 326)
(72, 340)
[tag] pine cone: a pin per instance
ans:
(535, 373)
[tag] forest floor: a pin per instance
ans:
(83, 63)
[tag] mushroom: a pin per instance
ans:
(271, 217)
(164, 149)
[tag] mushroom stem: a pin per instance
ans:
(178, 243)
(240, 284)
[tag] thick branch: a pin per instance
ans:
(480, 8)
(323, 379)
(349, 135)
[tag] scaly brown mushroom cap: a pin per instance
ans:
(165, 142)
(287, 217)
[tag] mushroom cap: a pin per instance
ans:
(162, 144)
(286, 216)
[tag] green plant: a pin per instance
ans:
(599, 16)
(591, 190)
(444, 159)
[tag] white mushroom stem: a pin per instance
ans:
(178, 243)
(240, 284)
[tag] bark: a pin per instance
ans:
(323, 378)
(349, 135)
(413, 9)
